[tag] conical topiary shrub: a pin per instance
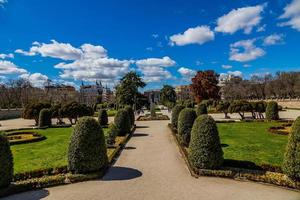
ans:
(87, 148)
(272, 111)
(45, 117)
(6, 162)
(185, 123)
(291, 164)
(205, 150)
(175, 114)
(122, 122)
(103, 118)
(201, 109)
(131, 114)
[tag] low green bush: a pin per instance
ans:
(175, 114)
(272, 111)
(87, 150)
(291, 165)
(112, 134)
(152, 110)
(185, 123)
(103, 118)
(201, 109)
(6, 162)
(131, 114)
(205, 150)
(45, 117)
(122, 122)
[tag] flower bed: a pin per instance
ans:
(24, 137)
(234, 170)
(149, 118)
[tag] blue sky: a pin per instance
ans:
(166, 42)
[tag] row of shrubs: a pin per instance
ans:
(87, 152)
(199, 132)
(72, 111)
(271, 109)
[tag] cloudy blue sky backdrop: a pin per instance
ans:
(166, 42)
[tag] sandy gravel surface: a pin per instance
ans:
(151, 167)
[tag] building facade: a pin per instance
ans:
(153, 96)
(184, 92)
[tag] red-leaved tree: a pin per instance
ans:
(205, 85)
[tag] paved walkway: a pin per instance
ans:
(151, 167)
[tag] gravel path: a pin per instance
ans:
(151, 167)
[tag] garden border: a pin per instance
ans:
(260, 176)
(51, 177)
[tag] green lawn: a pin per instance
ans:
(48, 153)
(250, 141)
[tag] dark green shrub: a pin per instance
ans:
(87, 149)
(185, 123)
(122, 122)
(45, 117)
(112, 133)
(189, 103)
(32, 111)
(240, 107)
(175, 113)
(291, 164)
(223, 107)
(131, 114)
(6, 162)
(152, 110)
(205, 150)
(103, 118)
(201, 109)
(272, 111)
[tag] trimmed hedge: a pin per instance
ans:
(291, 165)
(6, 162)
(45, 117)
(103, 118)
(272, 111)
(112, 134)
(122, 122)
(152, 110)
(201, 109)
(175, 114)
(131, 114)
(87, 149)
(205, 150)
(185, 123)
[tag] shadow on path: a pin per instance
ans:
(130, 148)
(139, 135)
(121, 173)
(32, 195)
(142, 126)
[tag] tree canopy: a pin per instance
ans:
(168, 96)
(205, 85)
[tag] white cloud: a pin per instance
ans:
(7, 67)
(261, 28)
(154, 35)
(235, 73)
(249, 51)
(273, 39)
(226, 66)
(292, 13)
(36, 79)
(153, 69)
(197, 35)
(93, 52)
(247, 65)
(161, 62)
(198, 63)
(64, 51)
(186, 72)
(2, 2)
(240, 19)
(94, 69)
(4, 56)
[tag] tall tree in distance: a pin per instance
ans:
(205, 85)
(127, 89)
(168, 96)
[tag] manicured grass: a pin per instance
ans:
(48, 153)
(250, 141)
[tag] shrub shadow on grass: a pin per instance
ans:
(140, 135)
(224, 145)
(33, 195)
(121, 173)
(241, 164)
